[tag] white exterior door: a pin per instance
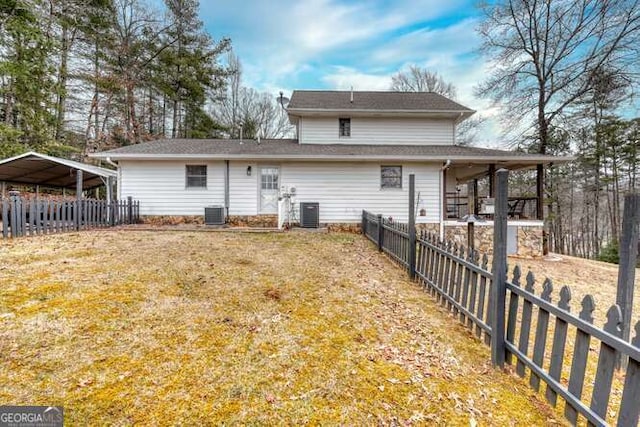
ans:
(269, 189)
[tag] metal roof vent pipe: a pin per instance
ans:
(352, 94)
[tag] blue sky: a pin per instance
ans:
(336, 44)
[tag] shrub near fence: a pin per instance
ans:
(29, 217)
(540, 338)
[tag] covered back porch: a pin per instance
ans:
(469, 195)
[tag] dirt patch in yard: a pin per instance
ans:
(194, 328)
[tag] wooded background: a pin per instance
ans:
(79, 76)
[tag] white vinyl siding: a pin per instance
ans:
(345, 189)
(382, 130)
(243, 189)
(161, 189)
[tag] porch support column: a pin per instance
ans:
(492, 180)
(540, 192)
(3, 189)
(476, 209)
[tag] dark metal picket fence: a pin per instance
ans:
(30, 217)
(539, 335)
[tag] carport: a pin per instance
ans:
(41, 170)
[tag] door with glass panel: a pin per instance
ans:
(269, 188)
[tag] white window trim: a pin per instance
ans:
(186, 177)
(401, 178)
(339, 127)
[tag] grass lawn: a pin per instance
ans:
(129, 327)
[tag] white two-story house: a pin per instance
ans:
(354, 151)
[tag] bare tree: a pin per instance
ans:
(257, 113)
(547, 55)
(417, 79)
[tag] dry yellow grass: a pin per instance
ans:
(206, 328)
(583, 277)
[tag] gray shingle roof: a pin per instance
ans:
(375, 101)
(290, 149)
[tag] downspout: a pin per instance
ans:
(108, 160)
(443, 191)
(115, 165)
(226, 187)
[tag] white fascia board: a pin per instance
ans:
(376, 111)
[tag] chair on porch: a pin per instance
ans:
(516, 208)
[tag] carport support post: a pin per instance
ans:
(78, 209)
(412, 227)
(499, 270)
(628, 259)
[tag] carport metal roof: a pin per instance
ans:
(39, 169)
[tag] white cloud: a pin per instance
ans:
(278, 39)
(285, 45)
(344, 78)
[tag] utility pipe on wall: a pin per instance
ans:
(226, 187)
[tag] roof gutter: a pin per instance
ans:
(533, 159)
(367, 110)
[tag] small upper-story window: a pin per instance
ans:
(390, 177)
(344, 126)
(196, 176)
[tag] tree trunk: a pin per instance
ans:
(151, 128)
(174, 127)
(96, 92)
(62, 83)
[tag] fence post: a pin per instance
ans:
(13, 218)
(363, 223)
(412, 227)
(627, 267)
(380, 232)
(130, 209)
(499, 270)
(5, 217)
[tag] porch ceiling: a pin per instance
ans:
(38, 169)
(472, 170)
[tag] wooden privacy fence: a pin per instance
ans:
(549, 344)
(29, 217)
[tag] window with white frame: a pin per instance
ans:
(390, 177)
(344, 127)
(196, 176)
